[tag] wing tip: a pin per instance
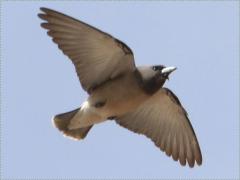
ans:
(184, 161)
(42, 16)
(199, 160)
(45, 25)
(191, 163)
(49, 12)
(194, 163)
(44, 9)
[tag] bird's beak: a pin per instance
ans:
(168, 70)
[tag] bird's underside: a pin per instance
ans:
(134, 97)
(111, 99)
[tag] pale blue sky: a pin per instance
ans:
(38, 81)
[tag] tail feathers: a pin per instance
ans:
(62, 121)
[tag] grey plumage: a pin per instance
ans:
(133, 96)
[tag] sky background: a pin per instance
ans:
(37, 82)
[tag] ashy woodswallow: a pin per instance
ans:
(118, 90)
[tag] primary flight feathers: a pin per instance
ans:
(133, 96)
(88, 48)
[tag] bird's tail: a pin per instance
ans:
(61, 122)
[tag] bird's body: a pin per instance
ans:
(117, 95)
(132, 96)
(111, 99)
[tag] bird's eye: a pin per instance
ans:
(155, 68)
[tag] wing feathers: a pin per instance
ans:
(163, 119)
(89, 48)
(175, 148)
(182, 153)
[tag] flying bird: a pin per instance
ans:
(119, 90)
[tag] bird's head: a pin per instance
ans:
(162, 72)
(154, 77)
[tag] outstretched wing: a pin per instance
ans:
(97, 56)
(163, 119)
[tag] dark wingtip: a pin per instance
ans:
(47, 10)
(191, 165)
(182, 162)
(198, 154)
(42, 16)
(174, 157)
(44, 9)
(44, 25)
(199, 161)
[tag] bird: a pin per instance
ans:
(132, 96)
